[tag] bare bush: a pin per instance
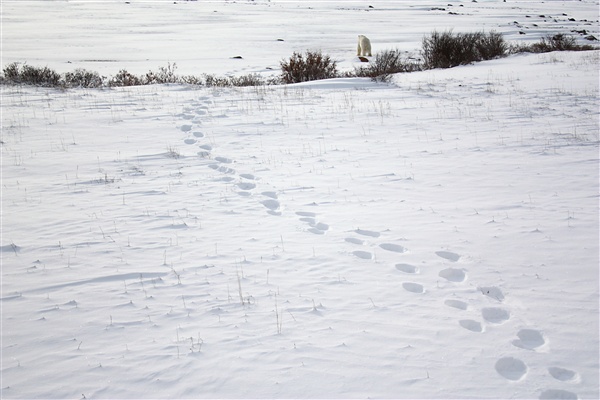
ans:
(215, 81)
(164, 75)
(385, 64)
(43, 76)
(192, 80)
(30, 75)
(446, 50)
(84, 78)
(124, 78)
(491, 45)
(11, 72)
(558, 42)
(307, 67)
(246, 80)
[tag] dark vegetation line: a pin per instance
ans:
(439, 50)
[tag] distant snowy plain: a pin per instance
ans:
(435, 237)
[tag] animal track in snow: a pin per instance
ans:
(354, 240)
(322, 226)
(186, 128)
(495, 315)
(224, 160)
(493, 292)
(222, 168)
(367, 233)
(206, 147)
(448, 255)
(558, 394)
(529, 339)
(407, 268)
(461, 305)
(471, 325)
(563, 374)
(306, 214)
(365, 255)
(271, 195)
(453, 274)
(413, 287)
(392, 247)
(511, 368)
(198, 134)
(189, 141)
(246, 185)
(271, 204)
(250, 177)
(319, 228)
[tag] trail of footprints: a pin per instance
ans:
(246, 183)
(316, 227)
(511, 368)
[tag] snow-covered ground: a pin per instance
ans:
(436, 237)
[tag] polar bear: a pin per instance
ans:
(364, 46)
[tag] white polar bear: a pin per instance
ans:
(364, 46)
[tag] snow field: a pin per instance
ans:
(432, 238)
